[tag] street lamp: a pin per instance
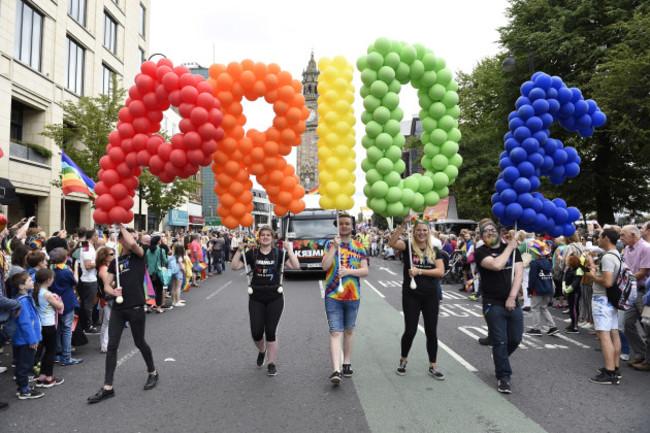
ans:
(510, 64)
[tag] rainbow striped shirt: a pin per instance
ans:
(352, 254)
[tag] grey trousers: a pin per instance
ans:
(635, 332)
(539, 306)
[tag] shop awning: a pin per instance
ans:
(7, 192)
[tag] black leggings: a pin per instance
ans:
(49, 349)
(158, 288)
(136, 318)
(574, 307)
(265, 316)
(412, 307)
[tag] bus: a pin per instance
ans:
(309, 231)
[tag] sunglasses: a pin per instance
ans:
(490, 231)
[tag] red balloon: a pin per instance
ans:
(126, 130)
(101, 188)
(195, 156)
(139, 141)
(130, 182)
(192, 140)
(186, 125)
(119, 191)
(141, 124)
(137, 108)
(118, 215)
(186, 78)
(156, 163)
(124, 170)
(207, 131)
(178, 158)
(105, 202)
(126, 202)
(199, 115)
(170, 81)
(110, 177)
(143, 158)
(148, 67)
(116, 155)
(101, 216)
(144, 83)
(106, 163)
(150, 100)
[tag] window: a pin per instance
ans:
(77, 10)
(18, 148)
(110, 33)
(143, 12)
(29, 29)
(107, 79)
(140, 56)
(75, 67)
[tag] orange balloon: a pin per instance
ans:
(296, 206)
(230, 222)
(247, 220)
(238, 210)
(234, 69)
(280, 210)
(227, 200)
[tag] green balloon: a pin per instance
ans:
(399, 166)
(416, 83)
(378, 205)
(379, 189)
(395, 209)
(453, 86)
(392, 60)
(384, 141)
(373, 176)
(368, 76)
(444, 75)
(417, 69)
(454, 111)
(392, 127)
(394, 194)
(366, 165)
(393, 178)
(393, 153)
(367, 191)
(429, 124)
(447, 122)
(440, 179)
(417, 176)
(375, 60)
(431, 198)
(379, 89)
(395, 86)
(443, 192)
(450, 99)
(451, 172)
(437, 92)
(426, 162)
(411, 183)
(390, 100)
(371, 103)
(431, 150)
(367, 142)
(456, 160)
(386, 74)
(440, 63)
(420, 50)
(418, 202)
(397, 114)
(374, 154)
(439, 162)
(454, 135)
(407, 196)
(438, 136)
(429, 61)
(437, 110)
(366, 116)
(399, 140)
(402, 73)
(383, 45)
(429, 79)
(362, 63)
(408, 54)
(381, 115)
(425, 184)
(449, 148)
(373, 129)
(371, 48)
(384, 166)
(425, 102)
(364, 90)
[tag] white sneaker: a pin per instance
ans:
(3, 369)
(567, 320)
(587, 326)
(178, 304)
(624, 357)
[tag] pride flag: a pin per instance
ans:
(313, 191)
(75, 180)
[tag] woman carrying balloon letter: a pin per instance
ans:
(423, 267)
(266, 300)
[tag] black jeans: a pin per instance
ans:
(160, 293)
(412, 306)
(49, 349)
(136, 318)
(264, 317)
(87, 292)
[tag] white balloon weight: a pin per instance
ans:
(413, 284)
(250, 290)
(280, 289)
(119, 299)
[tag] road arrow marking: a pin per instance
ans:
(387, 270)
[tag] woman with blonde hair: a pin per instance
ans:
(103, 258)
(423, 264)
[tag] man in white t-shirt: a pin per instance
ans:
(87, 288)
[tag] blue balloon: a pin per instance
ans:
(557, 231)
(576, 94)
(571, 153)
(504, 163)
(507, 222)
(556, 82)
(547, 120)
(495, 198)
(559, 156)
(514, 211)
(536, 159)
(543, 80)
(567, 109)
(511, 174)
(522, 133)
(581, 108)
(568, 229)
(501, 185)
(518, 155)
(574, 213)
(538, 205)
(558, 202)
(548, 208)
(498, 209)
(508, 196)
(527, 87)
(588, 132)
(568, 123)
(561, 215)
(539, 196)
(530, 145)
(557, 171)
(553, 107)
(513, 115)
(508, 136)
(551, 93)
(551, 146)
(547, 164)
(583, 122)
(541, 106)
(536, 93)
(525, 200)
(592, 106)
(534, 123)
(516, 123)
(540, 222)
(503, 154)
(571, 169)
(511, 143)
(522, 100)
(526, 111)
(534, 183)
(526, 169)
(550, 223)
(541, 137)
(598, 118)
(528, 216)
(564, 95)
(556, 180)
(521, 185)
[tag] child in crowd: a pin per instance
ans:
(27, 335)
(540, 287)
(571, 289)
(48, 305)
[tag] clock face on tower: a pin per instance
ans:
(312, 115)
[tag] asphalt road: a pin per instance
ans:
(209, 381)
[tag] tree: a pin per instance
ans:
(162, 197)
(601, 48)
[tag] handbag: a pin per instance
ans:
(526, 258)
(164, 273)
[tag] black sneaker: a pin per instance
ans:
(534, 332)
(617, 371)
(401, 368)
(484, 341)
(347, 370)
(437, 374)
(605, 378)
(30, 394)
(102, 394)
(552, 331)
(504, 387)
(152, 381)
(571, 330)
(525, 309)
(93, 330)
(260, 359)
(335, 377)
(3, 405)
(49, 383)
(271, 370)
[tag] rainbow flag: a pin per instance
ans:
(36, 243)
(200, 266)
(149, 292)
(75, 180)
(186, 284)
(313, 191)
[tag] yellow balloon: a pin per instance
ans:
(325, 177)
(326, 202)
(324, 152)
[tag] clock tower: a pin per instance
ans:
(307, 158)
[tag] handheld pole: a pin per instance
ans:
(248, 281)
(284, 252)
(512, 277)
(408, 228)
(338, 253)
(119, 299)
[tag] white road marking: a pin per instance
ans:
(127, 356)
(473, 313)
(322, 289)
(170, 360)
(452, 295)
(388, 270)
(219, 290)
(373, 288)
(571, 340)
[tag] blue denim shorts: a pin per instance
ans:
(341, 314)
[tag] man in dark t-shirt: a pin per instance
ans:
(128, 307)
(502, 312)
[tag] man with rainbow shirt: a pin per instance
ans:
(342, 293)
